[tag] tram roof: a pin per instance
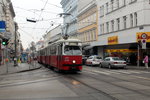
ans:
(68, 40)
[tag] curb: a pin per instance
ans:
(22, 71)
(28, 70)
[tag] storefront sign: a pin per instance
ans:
(143, 35)
(112, 40)
(120, 50)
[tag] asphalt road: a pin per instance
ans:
(93, 83)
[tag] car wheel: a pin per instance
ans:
(100, 65)
(109, 66)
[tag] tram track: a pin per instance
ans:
(102, 80)
(91, 87)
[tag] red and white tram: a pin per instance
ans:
(62, 55)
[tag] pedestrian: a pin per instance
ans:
(146, 61)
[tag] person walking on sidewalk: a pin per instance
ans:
(146, 61)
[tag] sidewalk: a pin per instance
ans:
(22, 67)
(138, 68)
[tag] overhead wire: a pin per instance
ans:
(40, 15)
(52, 4)
(30, 10)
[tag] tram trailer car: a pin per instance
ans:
(62, 55)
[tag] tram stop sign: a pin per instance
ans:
(143, 42)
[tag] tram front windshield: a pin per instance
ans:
(72, 50)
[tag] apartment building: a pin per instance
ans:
(87, 24)
(121, 24)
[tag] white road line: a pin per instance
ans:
(90, 72)
(119, 71)
(110, 71)
(100, 72)
(134, 72)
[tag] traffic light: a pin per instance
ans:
(5, 42)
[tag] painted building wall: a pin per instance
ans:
(126, 9)
(87, 21)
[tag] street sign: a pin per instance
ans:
(144, 36)
(2, 26)
(143, 42)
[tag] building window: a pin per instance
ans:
(135, 19)
(131, 1)
(117, 1)
(131, 20)
(118, 23)
(124, 2)
(112, 5)
(107, 26)
(102, 28)
(125, 22)
(112, 25)
(107, 7)
(102, 11)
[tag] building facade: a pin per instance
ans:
(53, 35)
(7, 14)
(70, 21)
(87, 24)
(121, 24)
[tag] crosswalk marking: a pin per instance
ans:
(109, 72)
(90, 72)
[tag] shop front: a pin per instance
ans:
(127, 52)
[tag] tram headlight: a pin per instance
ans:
(73, 61)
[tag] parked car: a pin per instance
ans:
(93, 60)
(111, 62)
(84, 58)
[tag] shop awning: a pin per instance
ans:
(88, 47)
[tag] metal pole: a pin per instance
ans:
(138, 60)
(6, 58)
(15, 58)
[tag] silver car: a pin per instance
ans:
(93, 60)
(111, 62)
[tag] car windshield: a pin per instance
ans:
(116, 58)
(72, 50)
(98, 58)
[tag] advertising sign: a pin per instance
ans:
(112, 40)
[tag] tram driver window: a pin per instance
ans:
(72, 50)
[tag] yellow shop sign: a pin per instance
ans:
(112, 40)
(143, 35)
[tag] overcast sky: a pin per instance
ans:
(46, 13)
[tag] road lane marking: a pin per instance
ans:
(145, 78)
(90, 72)
(100, 72)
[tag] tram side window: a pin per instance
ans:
(48, 51)
(53, 50)
(59, 49)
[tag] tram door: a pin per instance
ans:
(59, 57)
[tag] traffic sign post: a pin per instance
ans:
(143, 42)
